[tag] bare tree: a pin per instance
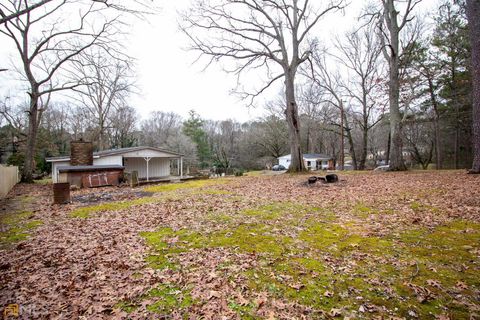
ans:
(473, 15)
(45, 50)
(391, 24)
(104, 84)
(260, 34)
(122, 132)
(160, 128)
(331, 83)
(359, 53)
(418, 133)
(24, 7)
(6, 15)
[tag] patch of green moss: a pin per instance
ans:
(169, 298)
(419, 207)
(323, 236)
(252, 238)
(361, 208)
(127, 306)
(16, 227)
(85, 212)
(166, 243)
(185, 185)
(244, 311)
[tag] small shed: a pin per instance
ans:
(151, 163)
(312, 161)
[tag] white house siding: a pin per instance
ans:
(55, 166)
(108, 160)
(157, 167)
(284, 161)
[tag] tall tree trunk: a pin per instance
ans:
(291, 113)
(436, 126)
(396, 148)
(389, 143)
(350, 142)
(473, 15)
(363, 156)
(33, 119)
(396, 156)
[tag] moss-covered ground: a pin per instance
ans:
(313, 256)
(17, 226)
(309, 256)
(372, 246)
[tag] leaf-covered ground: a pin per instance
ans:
(373, 246)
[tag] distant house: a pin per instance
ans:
(312, 161)
(149, 162)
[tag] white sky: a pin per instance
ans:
(169, 81)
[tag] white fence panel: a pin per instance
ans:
(8, 179)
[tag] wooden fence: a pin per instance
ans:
(8, 178)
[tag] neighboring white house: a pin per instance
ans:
(312, 161)
(150, 162)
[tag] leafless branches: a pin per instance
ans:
(254, 34)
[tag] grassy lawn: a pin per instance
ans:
(374, 245)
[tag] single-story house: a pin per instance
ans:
(312, 161)
(150, 163)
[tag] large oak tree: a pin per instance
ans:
(260, 34)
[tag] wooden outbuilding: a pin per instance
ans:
(151, 164)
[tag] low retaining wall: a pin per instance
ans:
(8, 179)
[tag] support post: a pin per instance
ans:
(181, 167)
(147, 159)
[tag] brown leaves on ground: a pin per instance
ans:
(71, 268)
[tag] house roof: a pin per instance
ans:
(316, 156)
(105, 153)
(89, 168)
(310, 156)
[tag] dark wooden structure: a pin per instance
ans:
(92, 176)
(61, 193)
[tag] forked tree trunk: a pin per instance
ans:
(473, 15)
(291, 113)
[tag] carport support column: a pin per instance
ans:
(147, 159)
(181, 167)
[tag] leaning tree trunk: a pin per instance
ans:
(33, 119)
(473, 15)
(291, 113)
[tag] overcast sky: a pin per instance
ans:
(169, 81)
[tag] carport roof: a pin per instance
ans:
(104, 153)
